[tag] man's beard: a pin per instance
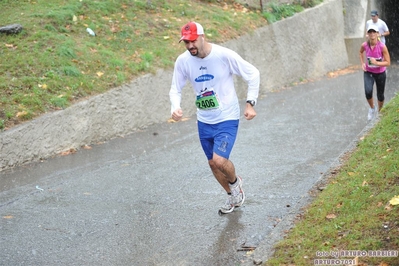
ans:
(193, 54)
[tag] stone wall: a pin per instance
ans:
(356, 12)
(307, 45)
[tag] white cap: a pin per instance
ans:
(372, 27)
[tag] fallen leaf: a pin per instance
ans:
(23, 113)
(331, 216)
(70, 151)
(115, 29)
(100, 74)
(250, 252)
(394, 200)
(9, 45)
(365, 183)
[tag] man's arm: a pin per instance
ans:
(385, 33)
(252, 76)
(248, 72)
(178, 82)
(385, 30)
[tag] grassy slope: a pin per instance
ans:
(54, 62)
(354, 211)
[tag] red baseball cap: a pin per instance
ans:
(191, 31)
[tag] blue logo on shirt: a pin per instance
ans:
(204, 78)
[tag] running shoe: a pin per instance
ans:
(237, 193)
(236, 199)
(371, 113)
(228, 206)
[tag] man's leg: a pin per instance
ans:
(217, 141)
(223, 170)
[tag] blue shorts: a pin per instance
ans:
(218, 138)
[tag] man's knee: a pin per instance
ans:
(217, 161)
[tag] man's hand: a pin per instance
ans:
(249, 112)
(177, 114)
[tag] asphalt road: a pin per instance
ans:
(150, 199)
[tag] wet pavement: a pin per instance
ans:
(150, 199)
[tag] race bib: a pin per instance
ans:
(207, 101)
(370, 64)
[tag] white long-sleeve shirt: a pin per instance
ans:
(214, 72)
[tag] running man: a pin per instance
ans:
(210, 69)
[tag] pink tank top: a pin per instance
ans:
(377, 54)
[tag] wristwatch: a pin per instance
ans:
(251, 102)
